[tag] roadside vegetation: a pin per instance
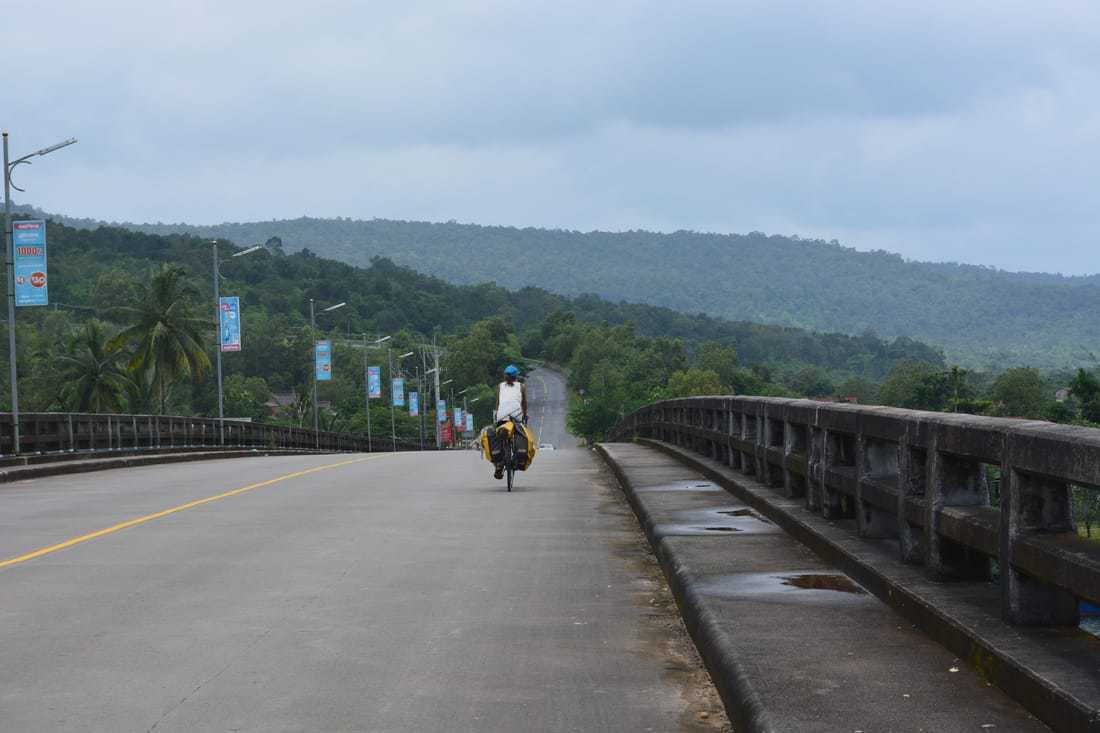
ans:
(131, 329)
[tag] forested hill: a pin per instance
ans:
(87, 268)
(981, 317)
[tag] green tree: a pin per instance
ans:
(864, 390)
(1019, 393)
(246, 396)
(722, 360)
(1086, 391)
(165, 333)
(94, 379)
(1086, 507)
(693, 383)
(916, 386)
(811, 382)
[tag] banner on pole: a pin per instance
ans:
(441, 411)
(414, 404)
(398, 392)
(469, 423)
(458, 416)
(229, 316)
(28, 239)
(323, 352)
(374, 382)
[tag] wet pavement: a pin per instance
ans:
(803, 646)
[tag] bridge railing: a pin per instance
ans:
(969, 497)
(57, 432)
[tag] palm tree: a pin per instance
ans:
(93, 377)
(165, 332)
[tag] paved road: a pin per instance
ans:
(549, 404)
(381, 593)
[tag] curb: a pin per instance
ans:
(742, 702)
(1007, 657)
(67, 466)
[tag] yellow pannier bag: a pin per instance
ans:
(527, 436)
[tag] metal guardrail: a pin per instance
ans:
(970, 497)
(56, 432)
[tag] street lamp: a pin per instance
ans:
(217, 328)
(313, 333)
(393, 408)
(9, 259)
(366, 385)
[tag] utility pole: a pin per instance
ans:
(393, 410)
(313, 369)
(217, 331)
(366, 392)
(218, 344)
(420, 407)
(9, 261)
(435, 356)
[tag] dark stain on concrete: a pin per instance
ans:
(818, 581)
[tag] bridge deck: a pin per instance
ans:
(401, 592)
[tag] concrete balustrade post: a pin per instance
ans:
(1032, 505)
(839, 453)
(875, 461)
(911, 484)
(952, 481)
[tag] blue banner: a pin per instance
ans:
(441, 410)
(414, 404)
(29, 247)
(469, 423)
(458, 417)
(398, 392)
(229, 326)
(323, 352)
(374, 382)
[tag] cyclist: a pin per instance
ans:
(511, 405)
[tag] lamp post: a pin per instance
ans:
(217, 328)
(313, 335)
(435, 371)
(393, 408)
(451, 405)
(474, 401)
(366, 386)
(9, 261)
(465, 407)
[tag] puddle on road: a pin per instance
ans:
(743, 513)
(807, 587)
(681, 486)
(697, 529)
(813, 581)
(724, 519)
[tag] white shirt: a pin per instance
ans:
(510, 401)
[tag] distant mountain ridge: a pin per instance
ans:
(982, 317)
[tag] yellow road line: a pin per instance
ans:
(182, 507)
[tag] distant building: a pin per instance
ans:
(280, 401)
(287, 403)
(1063, 394)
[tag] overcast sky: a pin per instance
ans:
(963, 131)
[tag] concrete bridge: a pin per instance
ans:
(408, 592)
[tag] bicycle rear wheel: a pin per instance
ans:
(509, 461)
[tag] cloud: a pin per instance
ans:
(949, 131)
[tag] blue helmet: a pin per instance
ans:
(511, 371)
